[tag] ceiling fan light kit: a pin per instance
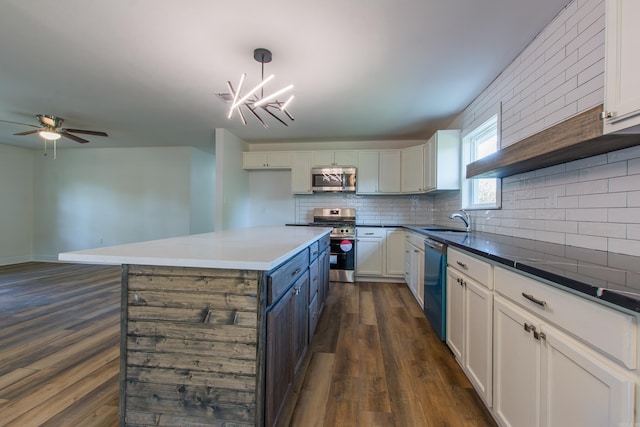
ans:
(51, 129)
(255, 101)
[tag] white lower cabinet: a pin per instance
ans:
(414, 265)
(545, 377)
(379, 252)
(470, 330)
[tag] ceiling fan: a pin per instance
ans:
(51, 129)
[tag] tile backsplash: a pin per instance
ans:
(591, 203)
(374, 210)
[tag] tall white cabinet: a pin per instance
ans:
(622, 66)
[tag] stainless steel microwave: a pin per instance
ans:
(334, 179)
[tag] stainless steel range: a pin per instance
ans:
(343, 241)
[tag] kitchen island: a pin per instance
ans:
(213, 326)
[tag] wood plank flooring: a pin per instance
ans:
(59, 345)
(374, 360)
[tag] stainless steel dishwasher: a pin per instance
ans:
(435, 274)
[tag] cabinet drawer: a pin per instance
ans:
(323, 243)
(477, 269)
(314, 250)
(371, 232)
(415, 239)
(610, 331)
(281, 278)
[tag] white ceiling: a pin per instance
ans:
(147, 71)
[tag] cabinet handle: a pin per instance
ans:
(462, 264)
(539, 335)
(206, 317)
(528, 327)
(296, 272)
(606, 115)
(460, 281)
(296, 291)
(368, 234)
(315, 253)
(535, 300)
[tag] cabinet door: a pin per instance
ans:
(322, 158)
(430, 166)
(478, 330)
(301, 317)
(368, 172)
(622, 64)
(412, 169)
(516, 355)
(419, 260)
(279, 159)
(580, 388)
(344, 158)
(389, 181)
(280, 357)
(254, 160)
(455, 314)
(395, 253)
(301, 172)
(369, 256)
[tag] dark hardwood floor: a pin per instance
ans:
(374, 360)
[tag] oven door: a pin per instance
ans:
(342, 259)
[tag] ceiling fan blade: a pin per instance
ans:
(27, 132)
(73, 137)
(18, 123)
(88, 132)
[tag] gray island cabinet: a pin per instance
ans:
(214, 326)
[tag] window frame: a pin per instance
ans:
(468, 185)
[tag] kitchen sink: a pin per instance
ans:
(444, 230)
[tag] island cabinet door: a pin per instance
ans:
(280, 356)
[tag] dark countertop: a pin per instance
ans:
(603, 276)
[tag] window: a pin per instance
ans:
(480, 193)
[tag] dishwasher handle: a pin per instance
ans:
(436, 246)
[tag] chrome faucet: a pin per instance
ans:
(464, 216)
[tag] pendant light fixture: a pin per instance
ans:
(255, 101)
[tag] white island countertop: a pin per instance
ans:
(259, 248)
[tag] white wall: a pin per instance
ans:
(16, 204)
(271, 201)
(592, 203)
(202, 191)
(232, 182)
(90, 197)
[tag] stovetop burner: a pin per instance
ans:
(343, 220)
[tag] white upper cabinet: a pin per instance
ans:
(412, 174)
(334, 158)
(442, 161)
(368, 172)
(301, 172)
(266, 160)
(622, 66)
(389, 182)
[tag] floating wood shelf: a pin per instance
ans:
(575, 138)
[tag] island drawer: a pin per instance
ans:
(478, 270)
(314, 250)
(610, 331)
(281, 279)
(323, 243)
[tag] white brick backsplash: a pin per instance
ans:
(624, 246)
(625, 183)
(631, 153)
(633, 231)
(609, 170)
(568, 202)
(558, 215)
(633, 199)
(633, 167)
(624, 215)
(588, 187)
(597, 215)
(603, 229)
(590, 242)
(550, 236)
(602, 200)
(561, 226)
